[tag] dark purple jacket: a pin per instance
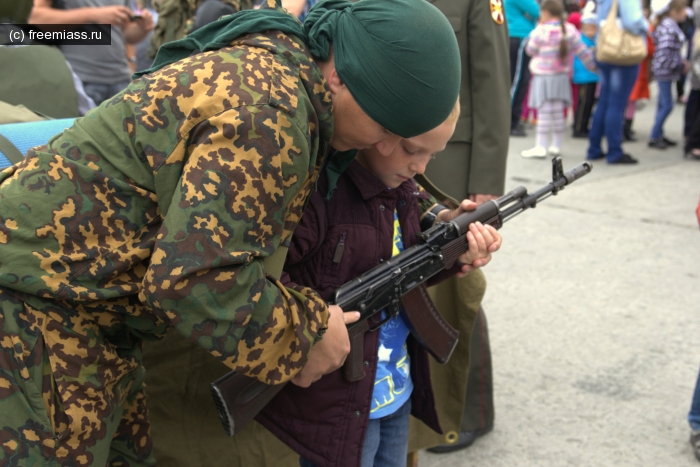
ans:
(326, 422)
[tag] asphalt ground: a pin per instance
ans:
(593, 304)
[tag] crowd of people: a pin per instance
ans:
(197, 226)
(553, 71)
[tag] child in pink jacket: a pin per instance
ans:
(550, 46)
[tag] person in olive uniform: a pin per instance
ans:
(158, 210)
(472, 166)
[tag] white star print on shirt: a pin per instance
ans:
(383, 353)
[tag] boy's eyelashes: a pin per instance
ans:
(411, 150)
(416, 152)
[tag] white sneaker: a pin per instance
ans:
(538, 152)
(554, 151)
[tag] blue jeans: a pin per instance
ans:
(694, 414)
(616, 83)
(663, 109)
(99, 92)
(386, 441)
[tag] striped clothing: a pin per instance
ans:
(667, 62)
(543, 47)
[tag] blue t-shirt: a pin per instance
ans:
(392, 383)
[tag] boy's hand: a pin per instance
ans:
(483, 240)
(330, 352)
(446, 215)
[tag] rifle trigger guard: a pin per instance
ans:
(394, 311)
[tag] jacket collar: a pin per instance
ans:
(370, 186)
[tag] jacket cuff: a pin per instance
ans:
(429, 217)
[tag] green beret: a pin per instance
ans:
(398, 58)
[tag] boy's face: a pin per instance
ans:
(589, 29)
(678, 15)
(408, 158)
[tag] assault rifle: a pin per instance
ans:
(397, 286)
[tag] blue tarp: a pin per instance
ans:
(27, 135)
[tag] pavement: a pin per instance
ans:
(593, 305)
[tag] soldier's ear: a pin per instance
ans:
(334, 82)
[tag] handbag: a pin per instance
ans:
(617, 46)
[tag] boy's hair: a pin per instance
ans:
(556, 9)
(677, 5)
(454, 115)
(674, 5)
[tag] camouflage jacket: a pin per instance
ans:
(156, 208)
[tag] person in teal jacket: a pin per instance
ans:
(522, 19)
(584, 79)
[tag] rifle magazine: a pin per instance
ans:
(427, 324)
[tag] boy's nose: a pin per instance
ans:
(386, 145)
(418, 166)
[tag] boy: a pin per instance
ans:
(371, 214)
(667, 63)
(585, 79)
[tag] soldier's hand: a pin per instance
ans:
(329, 354)
(479, 198)
(116, 15)
(447, 215)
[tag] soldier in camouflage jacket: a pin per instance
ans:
(156, 210)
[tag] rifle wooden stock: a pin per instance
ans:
(239, 398)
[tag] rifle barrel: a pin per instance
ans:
(530, 201)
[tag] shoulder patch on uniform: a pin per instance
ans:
(497, 11)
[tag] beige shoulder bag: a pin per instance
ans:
(617, 46)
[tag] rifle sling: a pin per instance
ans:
(440, 195)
